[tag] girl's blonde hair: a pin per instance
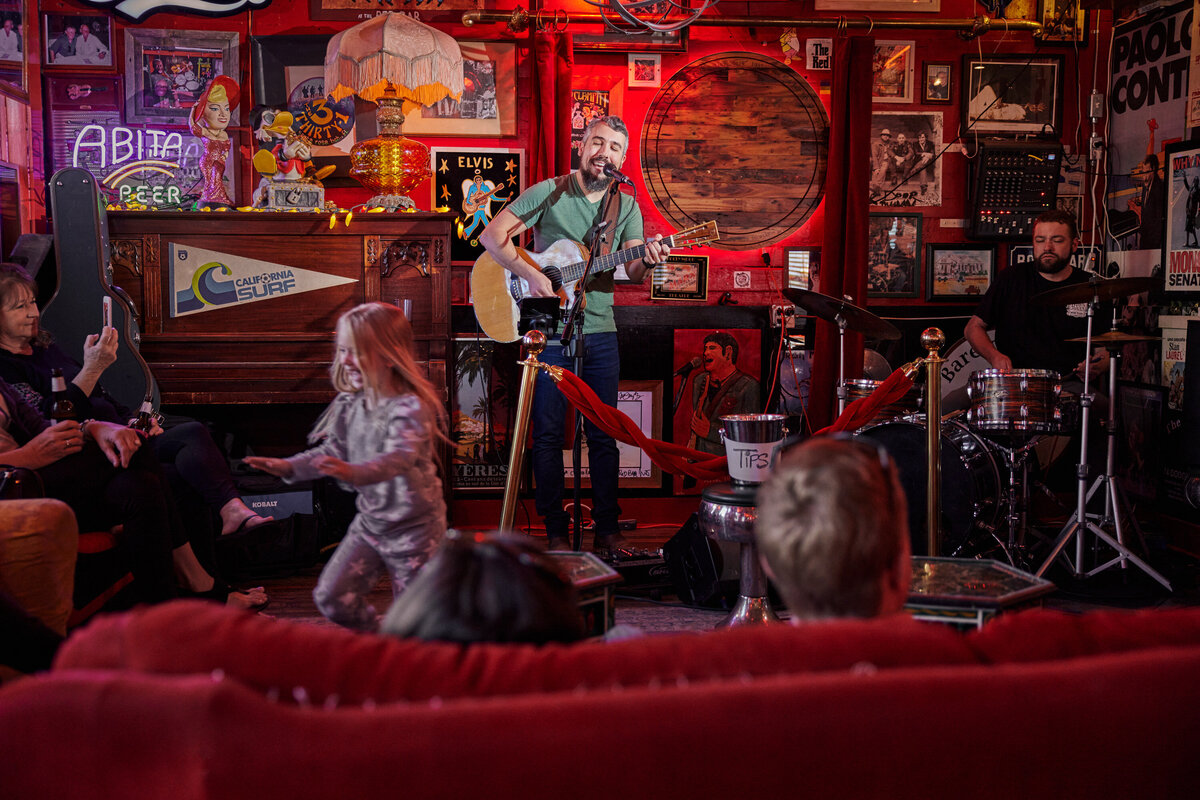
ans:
(382, 339)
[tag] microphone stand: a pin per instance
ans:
(572, 342)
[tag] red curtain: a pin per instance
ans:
(550, 115)
(844, 250)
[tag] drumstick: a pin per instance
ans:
(953, 414)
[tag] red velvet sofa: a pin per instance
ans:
(190, 700)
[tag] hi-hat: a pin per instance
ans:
(1116, 337)
(1095, 288)
(831, 308)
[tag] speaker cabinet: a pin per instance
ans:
(703, 572)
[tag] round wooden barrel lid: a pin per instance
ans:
(741, 139)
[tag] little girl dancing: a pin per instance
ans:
(379, 435)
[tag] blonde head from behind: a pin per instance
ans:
(832, 529)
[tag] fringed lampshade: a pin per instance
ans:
(400, 64)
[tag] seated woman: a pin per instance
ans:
(488, 588)
(26, 358)
(104, 474)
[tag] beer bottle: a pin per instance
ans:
(61, 406)
(145, 417)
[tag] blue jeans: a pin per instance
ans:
(601, 371)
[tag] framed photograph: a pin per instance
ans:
(935, 81)
(489, 103)
(358, 10)
(166, 70)
(77, 42)
(645, 70)
(893, 249)
(1182, 178)
(802, 267)
(927, 6)
(1063, 22)
(1012, 94)
(620, 36)
(476, 183)
(641, 401)
(892, 72)
(13, 35)
(73, 102)
(680, 278)
(960, 272)
(906, 164)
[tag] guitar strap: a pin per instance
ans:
(603, 281)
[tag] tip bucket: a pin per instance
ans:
(751, 445)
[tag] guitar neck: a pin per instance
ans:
(573, 272)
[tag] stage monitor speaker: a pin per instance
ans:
(1011, 184)
(702, 573)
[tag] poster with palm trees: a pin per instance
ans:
(487, 381)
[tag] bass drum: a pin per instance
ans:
(970, 483)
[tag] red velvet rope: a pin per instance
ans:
(681, 460)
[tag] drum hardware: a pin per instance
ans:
(844, 314)
(1081, 520)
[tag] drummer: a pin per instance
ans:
(1035, 336)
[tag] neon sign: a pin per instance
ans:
(117, 145)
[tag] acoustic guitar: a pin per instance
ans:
(496, 292)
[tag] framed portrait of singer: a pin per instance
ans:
(1012, 94)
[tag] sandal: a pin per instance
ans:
(222, 591)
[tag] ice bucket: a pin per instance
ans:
(751, 443)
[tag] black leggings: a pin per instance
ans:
(102, 495)
(189, 448)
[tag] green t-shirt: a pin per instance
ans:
(557, 209)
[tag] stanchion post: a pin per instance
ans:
(933, 340)
(533, 343)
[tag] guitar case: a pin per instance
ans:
(84, 279)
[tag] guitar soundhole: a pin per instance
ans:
(555, 276)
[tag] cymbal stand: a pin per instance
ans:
(842, 392)
(1081, 520)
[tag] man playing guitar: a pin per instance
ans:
(568, 207)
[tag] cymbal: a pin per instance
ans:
(1097, 288)
(829, 309)
(1116, 337)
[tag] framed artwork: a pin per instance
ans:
(1063, 22)
(487, 108)
(74, 102)
(927, 6)
(960, 272)
(645, 70)
(680, 278)
(358, 10)
(289, 72)
(642, 402)
(77, 41)
(486, 381)
(1182, 178)
(13, 35)
(935, 81)
(719, 373)
(893, 249)
(1012, 94)
(166, 70)
(802, 267)
(906, 164)
(475, 183)
(892, 72)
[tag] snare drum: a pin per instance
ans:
(1017, 401)
(909, 403)
(970, 482)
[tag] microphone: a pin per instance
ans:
(689, 366)
(616, 175)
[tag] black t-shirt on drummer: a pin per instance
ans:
(1035, 336)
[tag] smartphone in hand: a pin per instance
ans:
(106, 304)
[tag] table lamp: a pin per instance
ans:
(399, 64)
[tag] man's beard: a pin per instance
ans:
(1055, 266)
(594, 183)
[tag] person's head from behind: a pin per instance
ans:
(832, 530)
(487, 588)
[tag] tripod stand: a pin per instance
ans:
(1081, 521)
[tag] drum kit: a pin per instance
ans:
(985, 450)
